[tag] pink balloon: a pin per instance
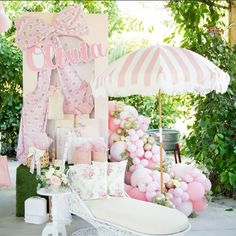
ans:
(176, 201)
(131, 110)
(199, 205)
(112, 138)
(136, 194)
(134, 137)
(148, 155)
(111, 106)
(207, 185)
(196, 191)
(178, 192)
(188, 178)
(166, 178)
(196, 172)
(139, 143)
(151, 187)
(150, 195)
(144, 162)
(151, 164)
(123, 115)
(139, 176)
(201, 179)
(128, 187)
(116, 121)
(128, 177)
(140, 152)
(136, 160)
(117, 149)
(132, 168)
(140, 133)
(184, 186)
(142, 188)
(147, 179)
(132, 155)
(155, 149)
(185, 197)
(178, 169)
(132, 148)
(171, 191)
(156, 175)
(131, 132)
(186, 208)
(112, 126)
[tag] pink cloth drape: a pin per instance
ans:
(5, 180)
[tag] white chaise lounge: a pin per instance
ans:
(126, 216)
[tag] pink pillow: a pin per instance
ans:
(115, 177)
(89, 181)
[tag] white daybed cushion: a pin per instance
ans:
(142, 217)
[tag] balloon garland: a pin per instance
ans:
(185, 186)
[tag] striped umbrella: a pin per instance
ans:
(157, 69)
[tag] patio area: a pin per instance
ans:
(214, 221)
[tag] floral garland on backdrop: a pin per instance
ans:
(185, 186)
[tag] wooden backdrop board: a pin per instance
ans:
(98, 33)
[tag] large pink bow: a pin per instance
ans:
(34, 31)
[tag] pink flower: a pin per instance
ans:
(54, 180)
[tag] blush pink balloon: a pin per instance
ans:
(207, 185)
(116, 121)
(117, 149)
(150, 195)
(201, 179)
(127, 187)
(134, 137)
(147, 179)
(184, 186)
(199, 205)
(112, 138)
(139, 152)
(136, 160)
(131, 148)
(139, 176)
(112, 127)
(188, 178)
(139, 143)
(176, 201)
(144, 162)
(131, 132)
(111, 106)
(171, 191)
(142, 188)
(132, 168)
(166, 178)
(178, 192)
(132, 155)
(152, 165)
(136, 194)
(140, 133)
(148, 155)
(185, 207)
(123, 115)
(196, 172)
(196, 191)
(185, 197)
(128, 177)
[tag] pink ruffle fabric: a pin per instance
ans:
(77, 92)
(5, 180)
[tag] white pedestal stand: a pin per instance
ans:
(60, 212)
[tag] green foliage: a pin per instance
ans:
(10, 94)
(212, 139)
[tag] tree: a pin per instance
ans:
(212, 140)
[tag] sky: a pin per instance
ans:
(150, 13)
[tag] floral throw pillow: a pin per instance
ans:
(89, 181)
(115, 178)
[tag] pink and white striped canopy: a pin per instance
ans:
(170, 69)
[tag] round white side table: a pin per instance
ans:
(57, 226)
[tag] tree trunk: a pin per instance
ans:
(232, 23)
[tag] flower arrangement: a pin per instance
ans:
(54, 177)
(186, 187)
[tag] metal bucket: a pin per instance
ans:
(170, 138)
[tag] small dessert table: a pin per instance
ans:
(60, 213)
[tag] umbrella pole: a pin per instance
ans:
(161, 143)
